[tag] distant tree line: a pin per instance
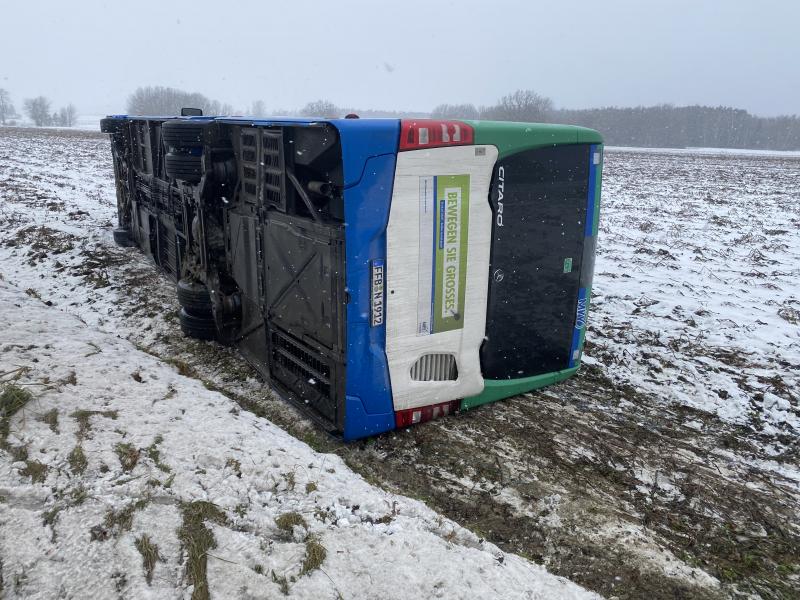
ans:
(662, 126)
(651, 126)
(157, 100)
(670, 126)
(38, 110)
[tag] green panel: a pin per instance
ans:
(450, 251)
(497, 390)
(512, 137)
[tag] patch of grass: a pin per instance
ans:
(154, 454)
(35, 470)
(150, 556)
(18, 453)
(128, 456)
(322, 515)
(287, 521)
(77, 460)
(84, 425)
(182, 367)
(290, 480)
(20, 580)
(51, 418)
(282, 582)
(79, 495)
(13, 398)
(311, 487)
(49, 518)
(315, 556)
(197, 539)
(122, 520)
(235, 465)
(384, 520)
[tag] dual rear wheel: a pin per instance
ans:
(184, 141)
(196, 316)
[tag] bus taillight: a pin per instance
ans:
(412, 416)
(417, 134)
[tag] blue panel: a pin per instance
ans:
(587, 267)
(580, 323)
(590, 199)
(369, 409)
(363, 138)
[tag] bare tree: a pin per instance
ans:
(257, 109)
(165, 101)
(38, 110)
(6, 107)
(214, 107)
(455, 111)
(320, 108)
(522, 105)
(67, 115)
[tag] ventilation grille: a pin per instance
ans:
(302, 364)
(249, 164)
(167, 249)
(435, 367)
(273, 168)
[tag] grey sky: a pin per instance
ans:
(408, 54)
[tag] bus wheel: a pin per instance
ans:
(194, 297)
(199, 328)
(122, 237)
(186, 167)
(183, 134)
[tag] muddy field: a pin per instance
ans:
(669, 467)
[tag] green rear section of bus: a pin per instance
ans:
(511, 139)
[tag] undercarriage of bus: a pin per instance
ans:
(248, 221)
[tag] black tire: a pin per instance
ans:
(113, 126)
(199, 328)
(122, 237)
(185, 167)
(183, 134)
(194, 298)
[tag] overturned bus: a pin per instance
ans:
(377, 272)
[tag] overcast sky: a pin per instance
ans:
(406, 54)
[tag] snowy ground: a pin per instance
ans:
(708, 278)
(169, 460)
(667, 468)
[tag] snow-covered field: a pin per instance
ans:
(667, 468)
(698, 281)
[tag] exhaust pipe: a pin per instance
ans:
(323, 188)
